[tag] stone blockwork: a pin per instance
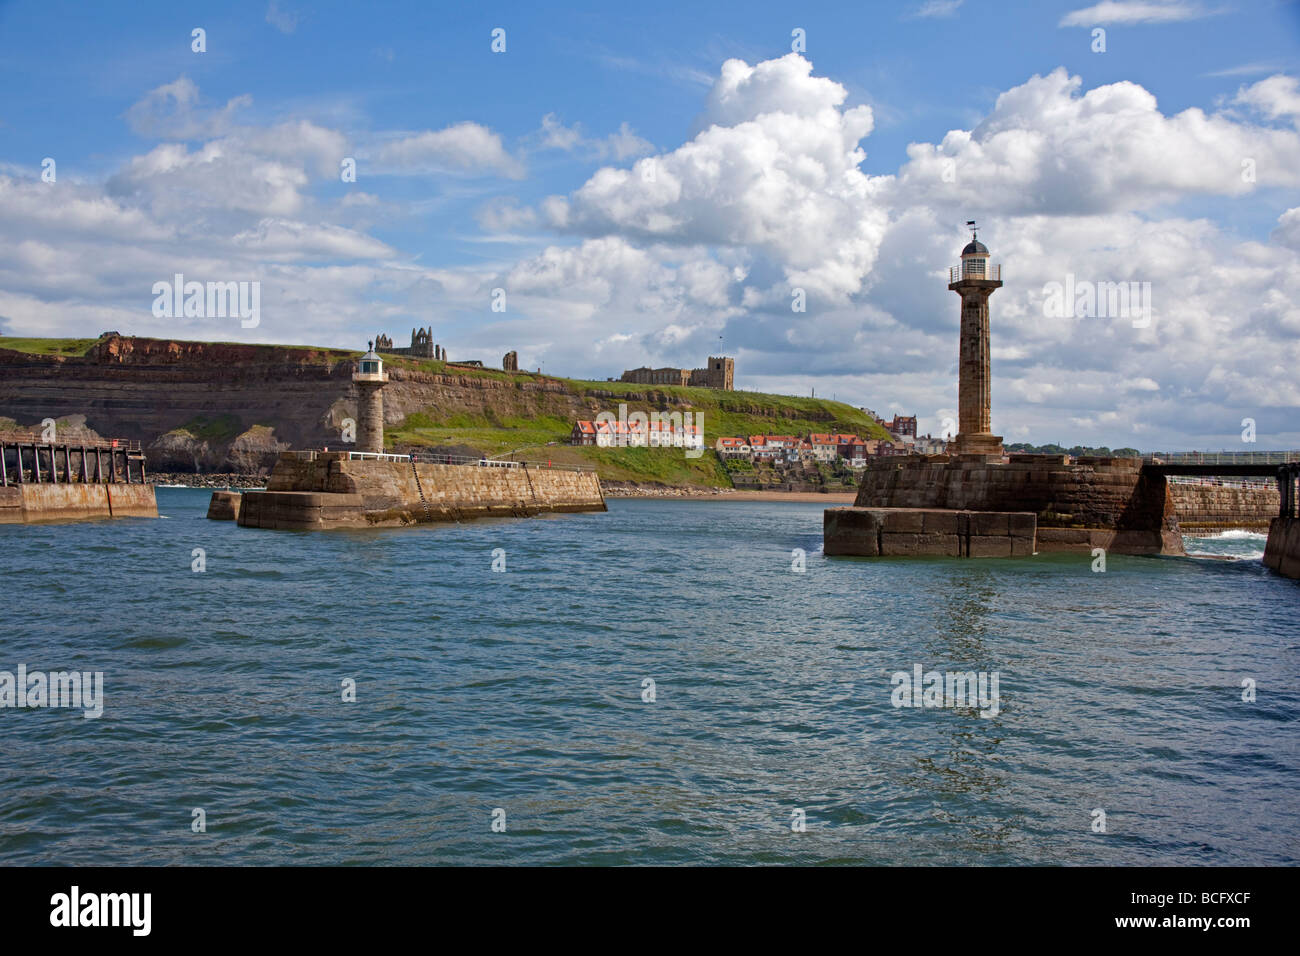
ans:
(1126, 508)
(887, 532)
(224, 506)
(328, 490)
(20, 504)
(1282, 553)
(1208, 508)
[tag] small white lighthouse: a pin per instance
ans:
(369, 379)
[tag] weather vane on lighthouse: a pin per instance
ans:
(974, 230)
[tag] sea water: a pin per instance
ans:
(657, 684)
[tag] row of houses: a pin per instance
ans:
(636, 434)
(823, 447)
(789, 449)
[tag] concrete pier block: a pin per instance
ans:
(1282, 553)
(224, 506)
(913, 532)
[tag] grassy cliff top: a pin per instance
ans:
(69, 347)
(539, 420)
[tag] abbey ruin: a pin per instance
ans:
(721, 373)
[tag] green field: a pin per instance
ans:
(71, 347)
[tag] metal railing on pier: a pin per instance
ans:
(423, 457)
(1222, 457)
(430, 458)
(1212, 482)
(375, 456)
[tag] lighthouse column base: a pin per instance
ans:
(977, 444)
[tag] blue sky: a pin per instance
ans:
(480, 170)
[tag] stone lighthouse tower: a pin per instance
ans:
(369, 379)
(975, 280)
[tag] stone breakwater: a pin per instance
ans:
(887, 532)
(1077, 505)
(1282, 553)
(1205, 508)
(322, 490)
(29, 503)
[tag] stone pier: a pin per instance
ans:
(1282, 553)
(1076, 505)
(324, 490)
(224, 506)
(888, 532)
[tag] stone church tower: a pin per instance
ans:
(369, 379)
(975, 282)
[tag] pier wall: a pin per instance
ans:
(224, 506)
(1209, 508)
(1282, 553)
(887, 532)
(49, 502)
(1090, 502)
(332, 491)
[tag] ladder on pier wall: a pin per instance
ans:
(428, 515)
(537, 505)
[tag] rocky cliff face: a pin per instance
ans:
(204, 407)
(262, 398)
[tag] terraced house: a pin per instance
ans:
(636, 434)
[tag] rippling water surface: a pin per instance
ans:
(522, 690)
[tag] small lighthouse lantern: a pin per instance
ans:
(975, 257)
(370, 368)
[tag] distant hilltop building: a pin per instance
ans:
(721, 373)
(422, 345)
